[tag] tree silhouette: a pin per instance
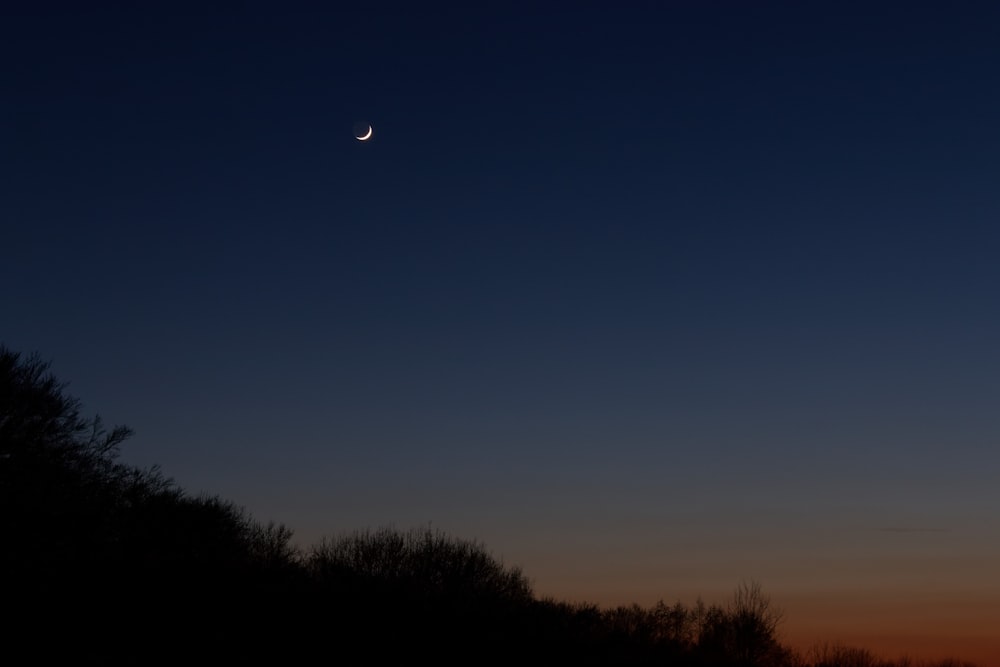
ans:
(83, 530)
(104, 563)
(422, 561)
(424, 587)
(745, 632)
(60, 486)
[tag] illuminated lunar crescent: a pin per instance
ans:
(366, 136)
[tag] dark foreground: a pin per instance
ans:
(106, 564)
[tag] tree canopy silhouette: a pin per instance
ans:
(85, 533)
(83, 529)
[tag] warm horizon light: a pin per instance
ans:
(755, 341)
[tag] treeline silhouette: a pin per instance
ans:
(105, 563)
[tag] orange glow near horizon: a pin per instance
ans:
(935, 622)
(922, 626)
(917, 593)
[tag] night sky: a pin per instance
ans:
(650, 298)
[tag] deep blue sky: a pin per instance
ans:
(614, 286)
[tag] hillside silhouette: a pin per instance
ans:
(108, 564)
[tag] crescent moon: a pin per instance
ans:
(366, 136)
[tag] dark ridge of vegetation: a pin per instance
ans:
(107, 564)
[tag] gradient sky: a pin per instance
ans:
(650, 298)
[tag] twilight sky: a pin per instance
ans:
(650, 298)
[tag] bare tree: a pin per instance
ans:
(745, 631)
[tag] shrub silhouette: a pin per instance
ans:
(839, 655)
